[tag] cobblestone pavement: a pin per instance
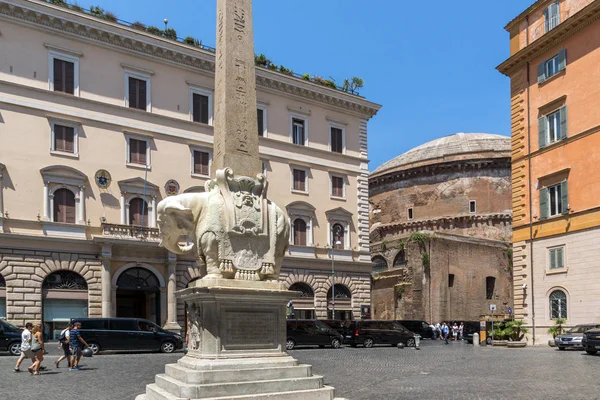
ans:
(456, 371)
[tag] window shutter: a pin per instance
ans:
(552, 258)
(563, 122)
(59, 138)
(69, 77)
(69, 207)
(58, 211)
(195, 107)
(58, 76)
(204, 109)
(132, 93)
(547, 15)
(542, 72)
(69, 134)
(564, 197)
(562, 59)
(556, 13)
(544, 203)
(142, 90)
(542, 132)
(133, 154)
(259, 120)
(142, 149)
(201, 160)
(560, 257)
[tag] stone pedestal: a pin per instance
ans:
(236, 348)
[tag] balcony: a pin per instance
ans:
(130, 232)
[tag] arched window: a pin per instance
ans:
(490, 287)
(65, 280)
(303, 288)
(299, 232)
(338, 236)
(379, 264)
(558, 304)
(341, 292)
(400, 260)
(64, 206)
(138, 278)
(2, 282)
(138, 212)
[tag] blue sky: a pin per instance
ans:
(431, 64)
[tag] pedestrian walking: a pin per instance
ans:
(461, 331)
(445, 331)
(432, 327)
(63, 344)
(454, 332)
(25, 346)
(76, 342)
(37, 347)
(438, 329)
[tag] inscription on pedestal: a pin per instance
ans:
(250, 329)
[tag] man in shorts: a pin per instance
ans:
(76, 342)
(25, 346)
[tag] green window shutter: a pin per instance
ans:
(560, 257)
(544, 203)
(552, 258)
(562, 59)
(542, 72)
(563, 122)
(542, 131)
(564, 197)
(547, 19)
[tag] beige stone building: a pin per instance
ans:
(100, 121)
(440, 230)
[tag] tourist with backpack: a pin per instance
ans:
(63, 343)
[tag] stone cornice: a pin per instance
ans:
(429, 224)
(48, 17)
(562, 32)
(431, 169)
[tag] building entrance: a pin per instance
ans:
(138, 295)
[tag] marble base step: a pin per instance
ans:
(195, 391)
(153, 392)
(250, 362)
(192, 376)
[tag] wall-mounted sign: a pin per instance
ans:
(172, 187)
(103, 179)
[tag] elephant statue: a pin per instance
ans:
(236, 231)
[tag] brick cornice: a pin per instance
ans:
(562, 32)
(48, 17)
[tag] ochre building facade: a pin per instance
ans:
(100, 121)
(554, 54)
(440, 230)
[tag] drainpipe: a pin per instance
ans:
(530, 191)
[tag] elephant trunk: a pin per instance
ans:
(172, 244)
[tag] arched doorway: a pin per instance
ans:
(2, 297)
(64, 296)
(343, 303)
(304, 306)
(138, 294)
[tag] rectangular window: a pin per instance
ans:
(557, 258)
(552, 127)
(64, 76)
(201, 163)
(64, 138)
(554, 200)
(451, 280)
(138, 93)
(299, 180)
(138, 151)
(551, 17)
(298, 134)
(410, 213)
(553, 66)
(337, 186)
(337, 139)
(490, 287)
(260, 119)
(472, 206)
(200, 108)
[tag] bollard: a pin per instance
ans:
(476, 339)
(417, 342)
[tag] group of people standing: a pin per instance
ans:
(448, 330)
(32, 347)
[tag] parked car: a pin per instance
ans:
(417, 326)
(371, 332)
(573, 337)
(591, 341)
(338, 325)
(311, 332)
(127, 334)
(10, 338)
(471, 327)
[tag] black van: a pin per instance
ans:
(10, 338)
(127, 334)
(371, 332)
(311, 332)
(338, 325)
(417, 326)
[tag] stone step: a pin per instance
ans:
(192, 391)
(187, 375)
(237, 363)
(153, 392)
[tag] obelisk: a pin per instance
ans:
(235, 132)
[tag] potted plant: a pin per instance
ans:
(516, 332)
(500, 337)
(556, 330)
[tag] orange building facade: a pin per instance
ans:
(555, 88)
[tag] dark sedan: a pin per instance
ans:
(591, 341)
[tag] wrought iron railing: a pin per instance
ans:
(130, 232)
